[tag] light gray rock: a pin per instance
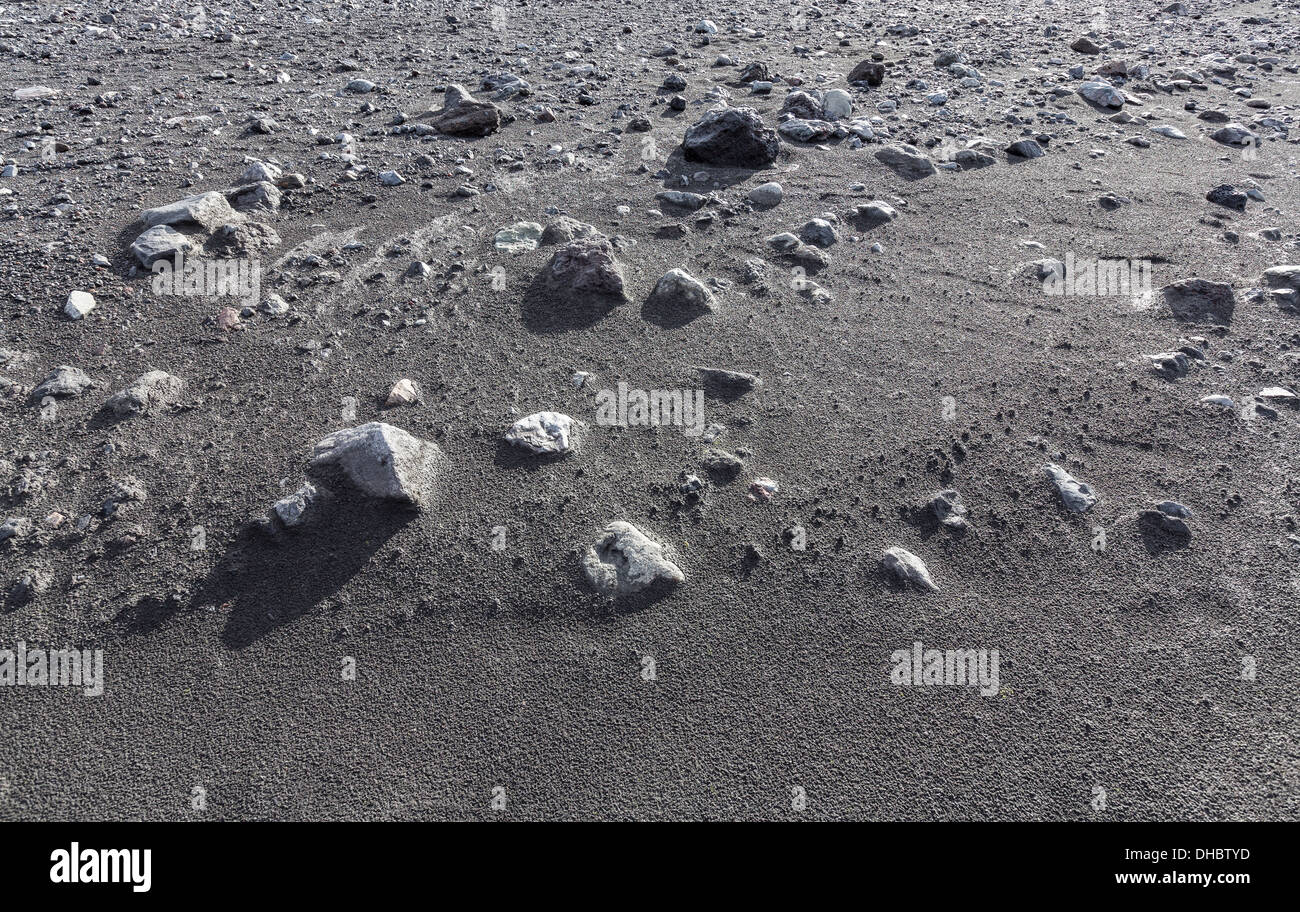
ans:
(768, 194)
(677, 290)
(160, 243)
(544, 432)
(948, 508)
(1101, 93)
(1076, 495)
(623, 562)
(64, 383)
(152, 390)
(380, 460)
(873, 214)
(518, 238)
(207, 210)
(908, 570)
(295, 510)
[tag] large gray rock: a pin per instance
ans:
(380, 460)
(207, 210)
(908, 570)
(152, 390)
(734, 137)
(587, 266)
(1101, 93)
(623, 561)
(1077, 496)
(906, 161)
(63, 383)
(679, 291)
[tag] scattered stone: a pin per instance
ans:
(1076, 495)
(296, 509)
(207, 210)
(679, 292)
(587, 266)
(769, 194)
(518, 238)
(80, 303)
(1025, 149)
(151, 391)
(734, 137)
(1227, 196)
(461, 115)
(381, 461)
(906, 569)
(404, 392)
(868, 71)
(727, 382)
(544, 432)
(624, 562)
(1200, 300)
(64, 383)
(949, 510)
(906, 161)
(1169, 516)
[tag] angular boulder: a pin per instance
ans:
(732, 137)
(380, 460)
(623, 561)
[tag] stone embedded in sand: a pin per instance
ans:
(908, 570)
(1282, 277)
(205, 209)
(868, 71)
(679, 291)
(682, 199)
(461, 115)
(949, 510)
(721, 465)
(565, 228)
(973, 159)
(1170, 516)
(729, 382)
(768, 194)
(34, 93)
(518, 238)
(1026, 149)
(1076, 495)
(1200, 300)
(380, 460)
(906, 161)
(1234, 134)
(159, 243)
(543, 432)
(873, 214)
(79, 304)
(154, 389)
(1085, 45)
(623, 561)
(587, 266)
(64, 382)
(734, 137)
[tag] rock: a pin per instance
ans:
(359, 87)
(79, 304)
(404, 392)
(837, 105)
(15, 527)
(1076, 495)
(1171, 365)
(873, 214)
(624, 562)
(906, 569)
(682, 199)
(262, 195)
(543, 432)
(906, 161)
(565, 229)
(678, 291)
(64, 383)
(1025, 149)
(754, 72)
(1169, 132)
(1234, 134)
(1101, 93)
(721, 465)
(34, 93)
(1228, 196)
(868, 71)
(296, 509)
(587, 266)
(806, 131)
(381, 461)
(1285, 277)
(160, 243)
(733, 137)
(762, 490)
(768, 194)
(391, 179)
(971, 159)
(819, 232)
(949, 510)
(258, 171)
(150, 391)
(1085, 45)
(728, 383)
(1170, 516)
(1200, 300)
(802, 106)
(518, 238)
(461, 115)
(207, 210)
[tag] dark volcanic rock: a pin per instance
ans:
(868, 71)
(735, 137)
(1200, 300)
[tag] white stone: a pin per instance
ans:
(79, 304)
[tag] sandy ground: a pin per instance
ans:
(1151, 679)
